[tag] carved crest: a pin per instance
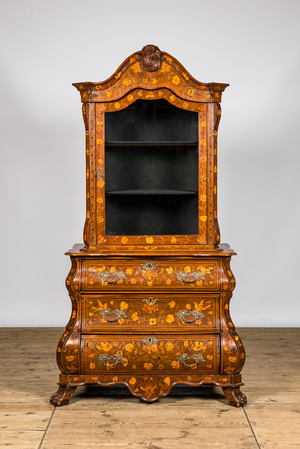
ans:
(151, 58)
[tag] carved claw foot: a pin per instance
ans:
(62, 396)
(234, 396)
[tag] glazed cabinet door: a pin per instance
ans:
(151, 170)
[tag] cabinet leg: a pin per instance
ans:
(234, 396)
(62, 396)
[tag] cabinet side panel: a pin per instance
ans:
(232, 349)
(203, 114)
(100, 174)
(89, 119)
(213, 118)
(69, 344)
(87, 153)
(217, 117)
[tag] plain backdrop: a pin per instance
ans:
(48, 44)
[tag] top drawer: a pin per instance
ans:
(141, 274)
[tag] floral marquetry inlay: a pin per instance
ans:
(150, 69)
(184, 276)
(188, 313)
(155, 355)
(151, 309)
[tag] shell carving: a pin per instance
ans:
(151, 58)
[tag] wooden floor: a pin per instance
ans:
(188, 418)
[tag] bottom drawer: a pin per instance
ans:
(150, 354)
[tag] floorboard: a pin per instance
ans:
(189, 417)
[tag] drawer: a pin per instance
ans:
(126, 312)
(117, 274)
(150, 354)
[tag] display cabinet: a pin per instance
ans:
(151, 284)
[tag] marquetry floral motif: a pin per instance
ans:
(129, 347)
(176, 80)
(167, 73)
(150, 387)
(142, 355)
(233, 353)
(99, 194)
(148, 366)
(170, 319)
(152, 322)
(169, 346)
(135, 317)
(150, 347)
(203, 275)
(167, 380)
(155, 314)
(200, 313)
(150, 308)
(68, 353)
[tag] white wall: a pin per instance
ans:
(48, 44)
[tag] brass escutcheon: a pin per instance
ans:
(150, 341)
(150, 301)
(149, 266)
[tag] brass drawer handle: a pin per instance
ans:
(184, 358)
(117, 358)
(111, 278)
(189, 277)
(105, 313)
(189, 316)
(150, 301)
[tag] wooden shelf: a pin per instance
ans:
(148, 144)
(151, 192)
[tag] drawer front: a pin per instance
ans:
(150, 354)
(126, 312)
(143, 274)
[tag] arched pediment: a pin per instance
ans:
(151, 70)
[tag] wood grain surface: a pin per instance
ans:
(161, 240)
(111, 417)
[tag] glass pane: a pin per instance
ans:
(151, 170)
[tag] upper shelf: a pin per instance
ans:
(151, 192)
(149, 143)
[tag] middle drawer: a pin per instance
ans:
(158, 312)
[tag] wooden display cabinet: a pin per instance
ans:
(150, 287)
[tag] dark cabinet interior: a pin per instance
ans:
(151, 170)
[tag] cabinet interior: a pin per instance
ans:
(151, 170)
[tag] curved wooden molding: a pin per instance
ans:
(151, 69)
(149, 388)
